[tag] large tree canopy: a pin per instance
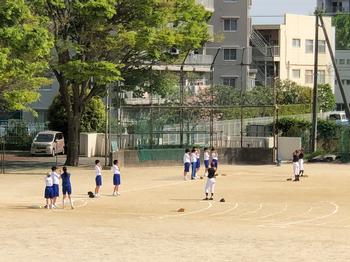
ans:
(97, 42)
(342, 25)
(25, 44)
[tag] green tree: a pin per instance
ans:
(97, 42)
(326, 98)
(92, 119)
(342, 25)
(25, 45)
(289, 92)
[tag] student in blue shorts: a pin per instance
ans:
(187, 163)
(55, 187)
(66, 187)
(206, 160)
(193, 163)
(98, 179)
(48, 191)
(116, 178)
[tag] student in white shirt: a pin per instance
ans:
(193, 163)
(55, 187)
(187, 163)
(98, 178)
(116, 178)
(215, 158)
(48, 191)
(206, 160)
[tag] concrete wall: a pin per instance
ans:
(252, 156)
(286, 147)
(92, 144)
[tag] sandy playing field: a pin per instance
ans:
(264, 218)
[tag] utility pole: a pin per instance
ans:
(212, 98)
(313, 138)
(340, 84)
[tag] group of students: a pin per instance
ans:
(298, 164)
(52, 181)
(192, 159)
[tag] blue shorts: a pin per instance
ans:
(187, 167)
(198, 163)
(215, 163)
(67, 190)
(55, 190)
(116, 179)
(48, 192)
(98, 180)
(206, 163)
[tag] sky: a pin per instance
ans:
(279, 7)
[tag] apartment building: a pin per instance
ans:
(290, 46)
(343, 64)
(334, 6)
(232, 27)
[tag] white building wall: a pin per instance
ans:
(296, 58)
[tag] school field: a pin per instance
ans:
(264, 218)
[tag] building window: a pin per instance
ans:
(296, 73)
(321, 77)
(348, 61)
(309, 46)
(230, 54)
(309, 77)
(348, 82)
(296, 43)
(230, 24)
(229, 81)
(322, 46)
(341, 61)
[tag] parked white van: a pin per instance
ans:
(48, 143)
(338, 116)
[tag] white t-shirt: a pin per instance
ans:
(116, 169)
(206, 155)
(193, 157)
(98, 170)
(55, 178)
(198, 154)
(187, 158)
(48, 181)
(215, 156)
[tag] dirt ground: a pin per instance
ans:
(264, 218)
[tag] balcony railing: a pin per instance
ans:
(268, 52)
(208, 4)
(199, 59)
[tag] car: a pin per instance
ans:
(324, 158)
(48, 143)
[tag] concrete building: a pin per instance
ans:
(334, 6)
(343, 64)
(232, 28)
(291, 46)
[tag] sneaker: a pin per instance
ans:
(72, 207)
(114, 194)
(46, 206)
(211, 198)
(54, 207)
(118, 194)
(206, 198)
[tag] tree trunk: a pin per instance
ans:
(73, 139)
